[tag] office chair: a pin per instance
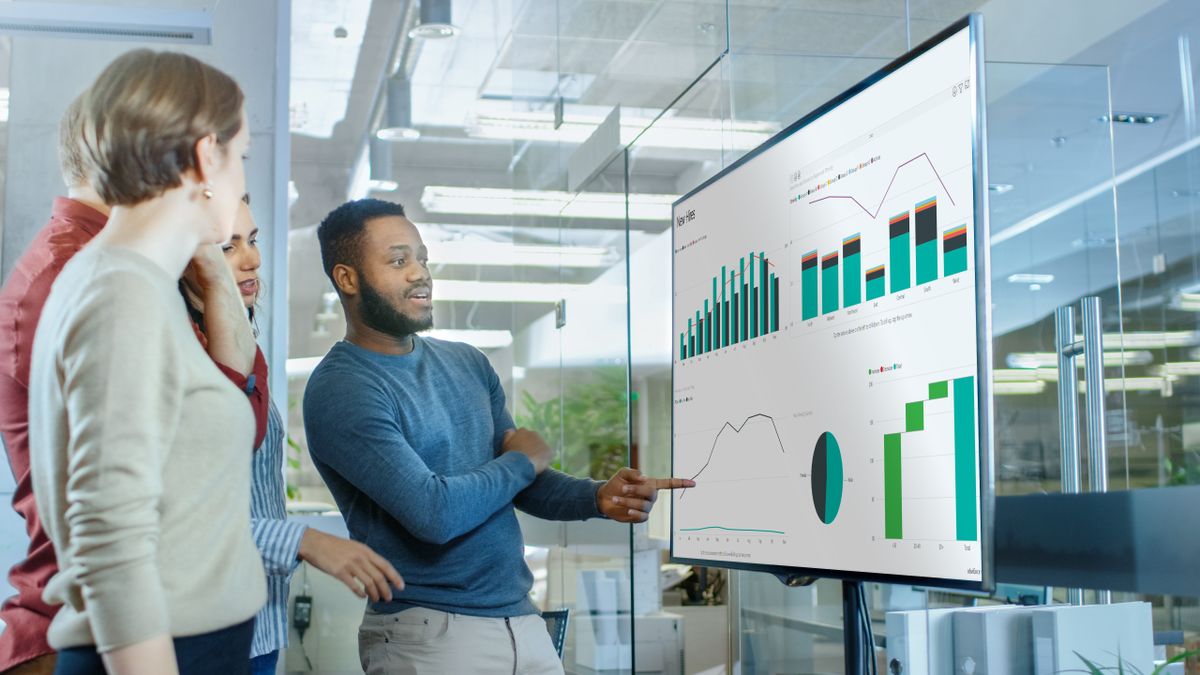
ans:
(556, 623)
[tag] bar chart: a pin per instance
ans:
(912, 238)
(744, 305)
(961, 394)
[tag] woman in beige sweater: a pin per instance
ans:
(139, 444)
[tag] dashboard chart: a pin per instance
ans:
(826, 338)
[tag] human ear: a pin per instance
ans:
(346, 279)
(204, 157)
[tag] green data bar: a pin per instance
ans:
(764, 312)
(914, 416)
(682, 346)
(955, 261)
(892, 488)
(852, 279)
(964, 459)
(938, 390)
(735, 335)
(927, 266)
(898, 263)
(829, 283)
(808, 279)
(876, 288)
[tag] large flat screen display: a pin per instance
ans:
(831, 359)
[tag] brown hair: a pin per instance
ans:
(70, 145)
(143, 116)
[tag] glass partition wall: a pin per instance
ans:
(1094, 172)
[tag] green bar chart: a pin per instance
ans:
(916, 418)
(740, 304)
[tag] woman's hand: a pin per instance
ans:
(226, 325)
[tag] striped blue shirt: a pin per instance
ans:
(277, 539)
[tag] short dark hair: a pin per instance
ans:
(340, 234)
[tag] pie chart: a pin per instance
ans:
(827, 477)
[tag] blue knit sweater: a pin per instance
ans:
(410, 447)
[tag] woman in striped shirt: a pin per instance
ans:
(283, 544)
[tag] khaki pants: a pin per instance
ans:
(422, 641)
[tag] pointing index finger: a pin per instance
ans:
(670, 483)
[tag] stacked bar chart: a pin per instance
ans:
(912, 236)
(744, 304)
(926, 241)
(954, 251)
(852, 269)
(808, 280)
(899, 251)
(962, 391)
(876, 284)
(829, 282)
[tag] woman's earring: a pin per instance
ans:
(207, 191)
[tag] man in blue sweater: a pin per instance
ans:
(413, 438)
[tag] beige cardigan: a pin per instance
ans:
(140, 452)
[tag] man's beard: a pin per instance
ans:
(379, 314)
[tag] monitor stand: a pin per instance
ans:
(852, 631)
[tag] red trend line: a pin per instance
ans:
(889, 187)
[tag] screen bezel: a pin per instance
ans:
(973, 23)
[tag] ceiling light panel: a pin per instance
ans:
(504, 202)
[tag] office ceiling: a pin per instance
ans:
(515, 56)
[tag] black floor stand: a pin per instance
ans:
(852, 629)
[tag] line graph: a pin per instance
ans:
(875, 214)
(737, 430)
(730, 529)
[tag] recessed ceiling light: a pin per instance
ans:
(383, 185)
(1030, 278)
(1000, 188)
(435, 21)
(397, 134)
(1132, 118)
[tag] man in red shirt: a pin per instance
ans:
(74, 221)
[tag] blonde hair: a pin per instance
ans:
(143, 116)
(70, 145)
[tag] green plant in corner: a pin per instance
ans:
(294, 451)
(588, 424)
(1123, 667)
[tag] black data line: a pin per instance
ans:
(736, 430)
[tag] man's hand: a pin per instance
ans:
(362, 570)
(530, 444)
(628, 496)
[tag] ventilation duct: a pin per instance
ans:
(93, 22)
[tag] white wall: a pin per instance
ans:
(251, 42)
